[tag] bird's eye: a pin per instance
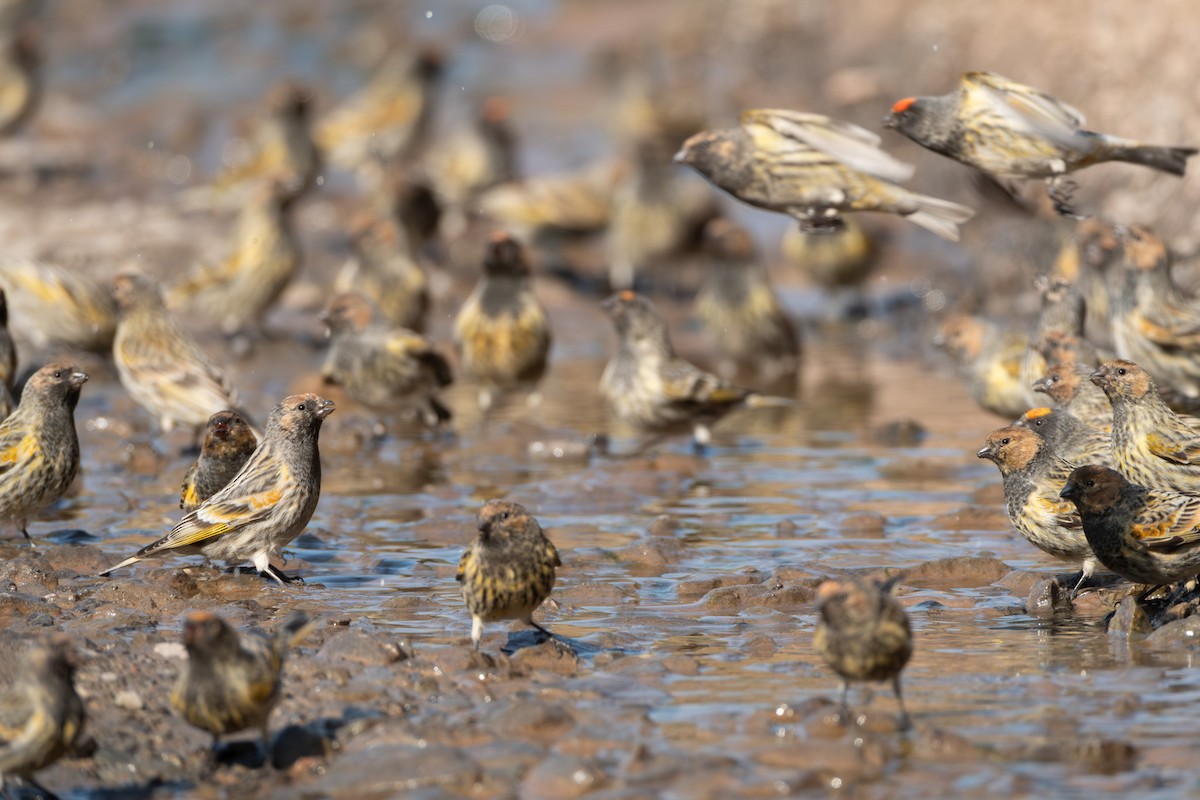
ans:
(1039, 422)
(1005, 440)
(58, 373)
(300, 407)
(1121, 371)
(1090, 484)
(503, 515)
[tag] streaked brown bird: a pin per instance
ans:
(863, 634)
(39, 448)
(235, 294)
(508, 570)
(501, 331)
(1149, 536)
(385, 368)
(160, 364)
(228, 444)
(231, 683)
(1010, 130)
(20, 78)
(41, 714)
(840, 259)
(386, 270)
(473, 158)
(814, 169)
(55, 306)
(547, 207)
(1062, 314)
(988, 357)
(651, 388)
(266, 505)
(1069, 385)
(739, 308)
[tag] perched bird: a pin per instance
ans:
(384, 367)
(841, 259)
(988, 358)
(1062, 314)
(39, 449)
(20, 78)
(1070, 438)
(388, 120)
(739, 307)
(1070, 387)
(281, 149)
(57, 306)
(651, 388)
(1033, 476)
(656, 212)
(1144, 535)
(863, 635)
(814, 169)
(8, 362)
(232, 682)
(1151, 444)
(471, 159)
(1153, 323)
(1098, 254)
(502, 331)
(508, 570)
(228, 444)
(159, 363)
(41, 715)
(1062, 347)
(1009, 130)
(385, 269)
(545, 208)
(236, 294)
(266, 505)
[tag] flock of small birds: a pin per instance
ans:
(1107, 475)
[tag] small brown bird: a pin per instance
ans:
(228, 445)
(739, 307)
(502, 331)
(20, 78)
(842, 259)
(1033, 476)
(1061, 347)
(59, 307)
(473, 158)
(385, 368)
(386, 270)
(231, 682)
(159, 363)
(546, 207)
(653, 389)
(863, 635)
(39, 449)
(1062, 314)
(1009, 130)
(1071, 439)
(1144, 535)
(236, 294)
(1098, 258)
(988, 358)
(1154, 324)
(1151, 445)
(814, 169)
(266, 505)
(1070, 387)
(41, 715)
(508, 570)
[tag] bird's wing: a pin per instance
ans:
(1168, 521)
(16, 445)
(462, 565)
(853, 146)
(686, 384)
(1173, 448)
(1025, 104)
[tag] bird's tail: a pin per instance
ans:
(940, 216)
(768, 401)
(1163, 159)
(122, 565)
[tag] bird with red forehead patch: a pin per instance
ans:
(1010, 130)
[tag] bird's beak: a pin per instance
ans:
(889, 121)
(1098, 377)
(985, 452)
(681, 157)
(1068, 491)
(1040, 385)
(79, 378)
(326, 408)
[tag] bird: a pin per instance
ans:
(841, 259)
(1069, 385)
(814, 169)
(1062, 313)
(501, 331)
(988, 357)
(470, 160)
(228, 444)
(55, 306)
(159, 363)
(383, 367)
(39, 448)
(1009, 130)
(235, 294)
(545, 208)
(653, 389)
(1034, 474)
(232, 682)
(266, 505)
(41, 714)
(508, 570)
(739, 308)
(1149, 536)
(864, 635)
(20, 78)
(1151, 445)
(1153, 323)
(8, 361)
(1097, 253)
(1071, 439)
(386, 269)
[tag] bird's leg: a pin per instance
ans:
(273, 572)
(265, 743)
(844, 706)
(476, 631)
(905, 720)
(1061, 191)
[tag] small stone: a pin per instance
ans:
(172, 650)
(1130, 617)
(1047, 598)
(128, 699)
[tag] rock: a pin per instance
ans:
(561, 776)
(296, 742)
(973, 518)
(359, 648)
(526, 717)
(682, 664)
(863, 524)
(1181, 631)
(379, 772)
(1047, 598)
(81, 559)
(961, 572)
(694, 588)
(1130, 617)
(737, 598)
(128, 700)
(31, 574)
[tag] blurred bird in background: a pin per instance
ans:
(386, 269)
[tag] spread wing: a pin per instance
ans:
(853, 146)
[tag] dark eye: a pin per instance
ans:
(503, 515)
(58, 373)
(1121, 371)
(1005, 440)
(300, 407)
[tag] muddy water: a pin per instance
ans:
(687, 584)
